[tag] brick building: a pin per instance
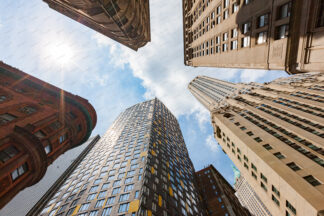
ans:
(218, 195)
(127, 22)
(261, 34)
(38, 123)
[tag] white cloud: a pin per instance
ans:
(212, 144)
(252, 75)
(160, 63)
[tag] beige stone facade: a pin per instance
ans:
(261, 34)
(273, 133)
(125, 21)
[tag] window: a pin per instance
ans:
(19, 171)
(262, 37)
(246, 166)
(62, 138)
(249, 133)
(8, 153)
(115, 191)
(70, 212)
(97, 181)
(275, 200)
(128, 180)
(123, 207)
(254, 167)
(5, 118)
(293, 166)
(254, 175)
(110, 200)
(246, 158)
(106, 211)
(93, 189)
(245, 2)
(246, 27)
(246, 41)
(27, 110)
(74, 202)
(243, 128)
(226, 3)
(91, 196)
(136, 194)
(235, 7)
(40, 134)
(3, 98)
(99, 203)
(263, 20)
(129, 187)
(63, 207)
(311, 180)
(291, 207)
(102, 194)
(279, 155)
(224, 47)
(264, 187)
(105, 186)
(124, 197)
(281, 32)
(84, 207)
(234, 33)
(234, 45)
(267, 146)
(275, 190)
(116, 183)
(284, 11)
(225, 15)
(94, 213)
(264, 178)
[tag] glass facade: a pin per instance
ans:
(140, 166)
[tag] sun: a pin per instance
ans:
(60, 53)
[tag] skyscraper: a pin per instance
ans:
(29, 197)
(217, 194)
(273, 133)
(38, 123)
(279, 34)
(248, 198)
(127, 22)
(140, 166)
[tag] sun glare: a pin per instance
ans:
(61, 54)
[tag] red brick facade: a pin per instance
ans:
(38, 123)
(217, 194)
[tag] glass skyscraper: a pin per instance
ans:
(140, 166)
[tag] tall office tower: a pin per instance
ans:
(127, 22)
(139, 167)
(247, 196)
(31, 196)
(277, 34)
(273, 133)
(218, 195)
(38, 123)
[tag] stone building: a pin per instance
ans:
(273, 133)
(38, 123)
(127, 22)
(140, 167)
(278, 34)
(247, 196)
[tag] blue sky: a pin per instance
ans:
(58, 50)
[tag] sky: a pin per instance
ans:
(112, 77)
